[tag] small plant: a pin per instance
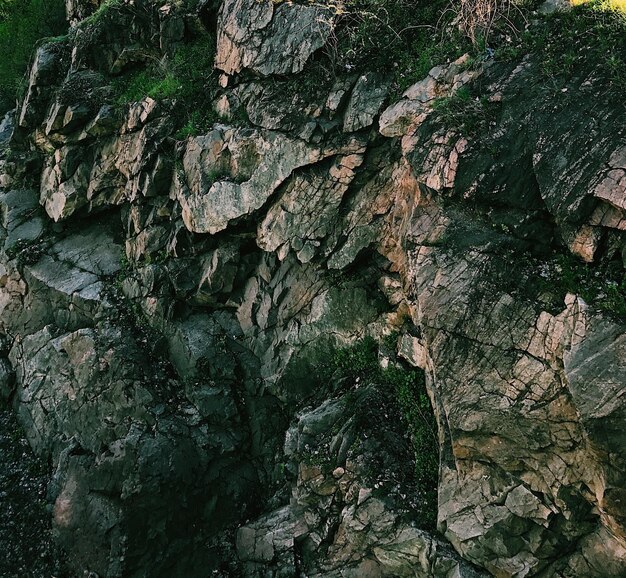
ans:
(125, 269)
(464, 111)
(192, 127)
(593, 32)
(406, 38)
(418, 413)
(129, 314)
(188, 78)
(602, 285)
(357, 361)
(27, 252)
(478, 18)
(547, 280)
(146, 83)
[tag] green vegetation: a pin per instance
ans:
(192, 126)
(149, 83)
(601, 285)
(356, 362)
(546, 280)
(388, 404)
(418, 413)
(404, 37)
(464, 111)
(103, 9)
(27, 252)
(188, 78)
(594, 32)
(22, 24)
(409, 37)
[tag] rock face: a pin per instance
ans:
(169, 305)
(270, 37)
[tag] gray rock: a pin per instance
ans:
(306, 211)
(268, 38)
(366, 100)
(231, 173)
(7, 126)
(160, 385)
(361, 237)
(21, 218)
(48, 65)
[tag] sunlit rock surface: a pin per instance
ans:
(167, 302)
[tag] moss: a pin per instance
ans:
(103, 10)
(53, 39)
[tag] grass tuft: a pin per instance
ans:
(188, 78)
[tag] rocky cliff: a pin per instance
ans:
(266, 311)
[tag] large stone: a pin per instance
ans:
(49, 63)
(268, 38)
(306, 211)
(231, 173)
(21, 218)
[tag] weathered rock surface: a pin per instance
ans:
(343, 519)
(269, 38)
(167, 306)
(230, 174)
